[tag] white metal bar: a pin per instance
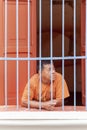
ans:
(42, 58)
(28, 54)
(74, 54)
(17, 64)
(40, 48)
(63, 2)
(86, 58)
(6, 13)
(51, 50)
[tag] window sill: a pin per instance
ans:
(33, 118)
(25, 120)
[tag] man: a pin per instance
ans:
(49, 78)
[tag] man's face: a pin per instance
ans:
(47, 71)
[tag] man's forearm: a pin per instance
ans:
(33, 104)
(44, 105)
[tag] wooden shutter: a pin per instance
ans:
(23, 47)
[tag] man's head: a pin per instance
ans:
(47, 71)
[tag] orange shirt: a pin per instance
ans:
(45, 89)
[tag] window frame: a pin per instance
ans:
(40, 115)
(61, 118)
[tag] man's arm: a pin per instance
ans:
(48, 105)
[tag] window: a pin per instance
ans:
(37, 30)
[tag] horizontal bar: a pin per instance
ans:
(43, 58)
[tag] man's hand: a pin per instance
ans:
(50, 106)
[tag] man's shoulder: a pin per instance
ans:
(58, 75)
(35, 77)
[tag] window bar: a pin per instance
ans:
(42, 58)
(6, 13)
(28, 54)
(74, 54)
(51, 42)
(86, 58)
(63, 2)
(17, 69)
(40, 47)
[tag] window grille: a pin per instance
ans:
(40, 57)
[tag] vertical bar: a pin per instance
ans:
(6, 13)
(51, 50)
(40, 41)
(28, 54)
(63, 2)
(86, 56)
(74, 54)
(17, 69)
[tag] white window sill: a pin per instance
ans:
(25, 118)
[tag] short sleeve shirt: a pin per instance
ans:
(59, 89)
